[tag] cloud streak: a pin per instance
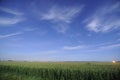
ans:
(10, 21)
(110, 46)
(10, 35)
(2, 36)
(73, 47)
(57, 14)
(10, 11)
(61, 17)
(102, 47)
(118, 39)
(104, 19)
(17, 17)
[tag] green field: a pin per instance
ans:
(59, 70)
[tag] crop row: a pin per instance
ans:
(100, 72)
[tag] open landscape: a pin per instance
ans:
(59, 70)
(59, 39)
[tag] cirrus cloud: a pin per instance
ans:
(104, 19)
(10, 35)
(73, 47)
(17, 16)
(61, 17)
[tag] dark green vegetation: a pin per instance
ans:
(59, 71)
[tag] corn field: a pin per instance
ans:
(59, 71)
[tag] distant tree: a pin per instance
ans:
(10, 60)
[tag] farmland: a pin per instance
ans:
(11, 70)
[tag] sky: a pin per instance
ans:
(60, 30)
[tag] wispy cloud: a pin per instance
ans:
(73, 47)
(2, 36)
(104, 19)
(110, 46)
(57, 14)
(10, 35)
(10, 21)
(102, 47)
(61, 16)
(17, 17)
(11, 11)
(61, 27)
(118, 39)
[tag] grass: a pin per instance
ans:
(59, 71)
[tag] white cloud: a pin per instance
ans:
(16, 33)
(73, 47)
(57, 14)
(17, 17)
(110, 46)
(118, 39)
(61, 27)
(11, 11)
(101, 47)
(10, 21)
(10, 35)
(61, 17)
(105, 19)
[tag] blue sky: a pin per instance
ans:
(60, 30)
